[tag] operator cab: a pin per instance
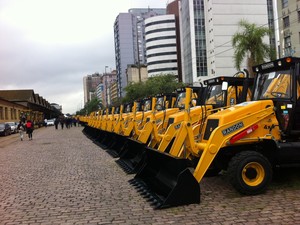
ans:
(279, 81)
(227, 91)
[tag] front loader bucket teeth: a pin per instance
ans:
(131, 156)
(118, 142)
(166, 181)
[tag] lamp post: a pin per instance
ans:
(106, 84)
(138, 48)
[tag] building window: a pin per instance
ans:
(285, 3)
(286, 22)
(287, 46)
(287, 42)
(6, 113)
(299, 16)
(11, 113)
(1, 113)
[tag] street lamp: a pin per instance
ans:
(106, 84)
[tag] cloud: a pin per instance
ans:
(50, 45)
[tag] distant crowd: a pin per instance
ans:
(65, 122)
(27, 126)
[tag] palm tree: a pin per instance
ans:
(249, 44)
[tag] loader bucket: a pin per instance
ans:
(166, 181)
(103, 139)
(132, 156)
(90, 132)
(86, 130)
(117, 143)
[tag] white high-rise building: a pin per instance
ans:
(160, 32)
(129, 41)
(221, 23)
(206, 31)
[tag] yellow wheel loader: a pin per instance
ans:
(221, 92)
(109, 122)
(209, 100)
(89, 124)
(101, 138)
(131, 156)
(248, 140)
(141, 109)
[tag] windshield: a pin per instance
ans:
(273, 85)
(2, 125)
(147, 105)
(117, 110)
(180, 100)
(160, 103)
(128, 109)
(215, 95)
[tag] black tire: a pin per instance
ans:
(250, 172)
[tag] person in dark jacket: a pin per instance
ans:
(56, 122)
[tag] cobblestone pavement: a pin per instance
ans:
(62, 177)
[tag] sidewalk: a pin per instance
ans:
(62, 177)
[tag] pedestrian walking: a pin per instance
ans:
(56, 122)
(62, 123)
(21, 129)
(29, 129)
(45, 122)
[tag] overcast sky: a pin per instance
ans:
(50, 45)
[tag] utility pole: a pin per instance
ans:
(138, 49)
(106, 87)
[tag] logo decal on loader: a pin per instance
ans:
(232, 128)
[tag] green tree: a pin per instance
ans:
(249, 45)
(164, 83)
(135, 91)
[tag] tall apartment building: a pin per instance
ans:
(289, 27)
(160, 33)
(129, 33)
(221, 22)
(90, 83)
(193, 41)
(173, 9)
(108, 78)
(207, 28)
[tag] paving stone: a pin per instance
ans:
(62, 177)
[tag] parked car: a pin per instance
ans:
(50, 122)
(13, 127)
(5, 129)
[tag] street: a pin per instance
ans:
(62, 177)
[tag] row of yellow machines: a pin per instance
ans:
(237, 124)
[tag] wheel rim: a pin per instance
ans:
(253, 174)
